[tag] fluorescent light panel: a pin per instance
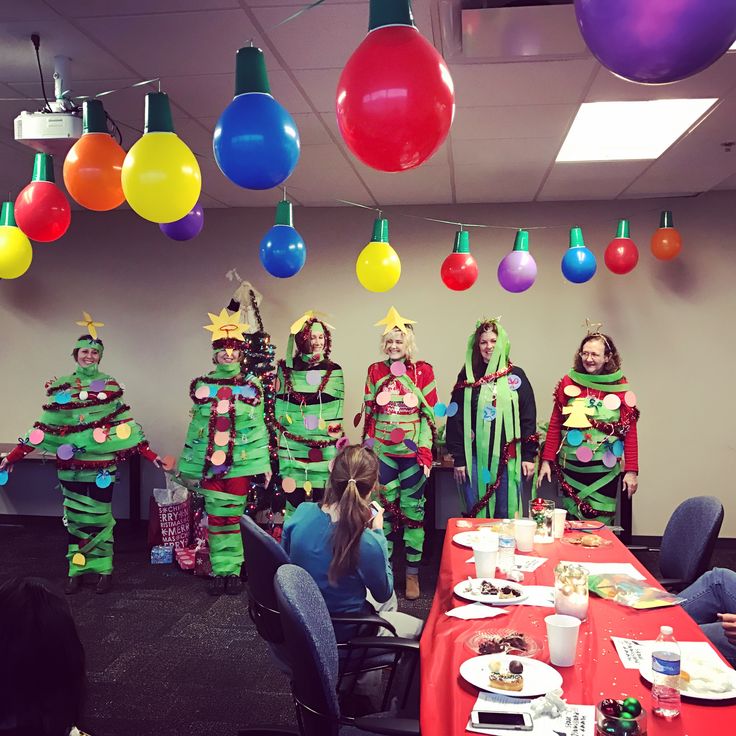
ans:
(629, 131)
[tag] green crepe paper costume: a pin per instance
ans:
(227, 439)
(88, 419)
(309, 414)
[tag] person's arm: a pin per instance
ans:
(454, 426)
(527, 417)
(369, 399)
(375, 568)
(554, 432)
(17, 453)
(147, 453)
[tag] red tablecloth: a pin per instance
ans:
(446, 699)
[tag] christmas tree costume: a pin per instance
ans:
(226, 444)
(494, 429)
(309, 408)
(593, 425)
(89, 429)
(399, 400)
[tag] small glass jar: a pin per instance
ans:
(542, 511)
(613, 719)
(571, 590)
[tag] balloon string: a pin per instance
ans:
(301, 10)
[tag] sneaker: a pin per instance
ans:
(233, 585)
(217, 585)
(73, 584)
(104, 584)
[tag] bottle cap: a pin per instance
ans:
(666, 630)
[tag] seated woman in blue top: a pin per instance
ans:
(342, 545)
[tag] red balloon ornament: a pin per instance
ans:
(395, 97)
(41, 209)
(666, 241)
(459, 270)
(621, 254)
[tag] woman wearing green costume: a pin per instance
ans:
(591, 430)
(309, 404)
(90, 430)
(227, 444)
(492, 436)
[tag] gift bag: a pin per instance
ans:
(169, 516)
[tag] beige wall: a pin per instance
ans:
(670, 320)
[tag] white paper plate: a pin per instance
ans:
(646, 672)
(471, 595)
(539, 678)
(466, 539)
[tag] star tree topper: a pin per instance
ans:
(90, 325)
(226, 326)
(394, 321)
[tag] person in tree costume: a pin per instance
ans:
(399, 398)
(591, 430)
(492, 434)
(309, 406)
(226, 444)
(90, 430)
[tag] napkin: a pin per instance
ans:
(476, 610)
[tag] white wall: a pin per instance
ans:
(671, 321)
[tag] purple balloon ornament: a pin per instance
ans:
(518, 270)
(187, 228)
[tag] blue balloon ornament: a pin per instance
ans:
(283, 252)
(578, 263)
(256, 141)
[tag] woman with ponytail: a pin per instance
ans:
(342, 546)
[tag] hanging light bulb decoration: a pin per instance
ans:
(517, 270)
(621, 254)
(256, 141)
(459, 270)
(578, 263)
(395, 98)
(93, 165)
(282, 251)
(16, 253)
(378, 267)
(666, 241)
(187, 228)
(161, 177)
(41, 209)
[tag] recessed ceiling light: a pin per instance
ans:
(629, 131)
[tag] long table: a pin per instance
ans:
(446, 699)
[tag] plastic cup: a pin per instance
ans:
(558, 523)
(524, 530)
(486, 556)
(562, 637)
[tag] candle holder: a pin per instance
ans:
(542, 512)
(620, 718)
(571, 590)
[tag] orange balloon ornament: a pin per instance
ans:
(93, 165)
(666, 241)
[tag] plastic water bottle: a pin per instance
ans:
(666, 671)
(506, 546)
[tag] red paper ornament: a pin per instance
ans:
(459, 270)
(41, 209)
(621, 254)
(666, 241)
(395, 97)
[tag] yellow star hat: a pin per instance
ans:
(90, 325)
(309, 314)
(394, 321)
(225, 326)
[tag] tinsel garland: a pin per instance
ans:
(321, 444)
(585, 509)
(485, 379)
(399, 519)
(52, 389)
(86, 404)
(61, 431)
(101, 464)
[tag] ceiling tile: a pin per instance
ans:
(505, 154)
(424, 185)
(92, 8)
(320, 86)
(517, 121)
(483, 184)
(590, 180)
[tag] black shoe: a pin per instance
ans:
(104, 584)
(233, 585)
(73, 585)
(217, 585)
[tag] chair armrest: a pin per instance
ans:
(388, 726)
(637, 548)
(370, 619)
(395, 642)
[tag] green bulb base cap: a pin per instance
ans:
(158, 113)
(380, 230)
(521, 241)
(94, 119)
(7, 215)
(43, 168)
(250, 71)
(462, 242)
(665, 219)
(576, 238)
(390, 13)
(622, 231)
(284, 213)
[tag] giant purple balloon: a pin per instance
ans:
(657, 41)
(188, 227)
(517, 271)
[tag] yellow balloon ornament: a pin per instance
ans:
(16, 253)
(160, 176)
(378, 267)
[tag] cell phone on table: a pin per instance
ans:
(375, 507)
(501, 720)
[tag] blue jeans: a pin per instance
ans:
(713, 592)
(470, 491)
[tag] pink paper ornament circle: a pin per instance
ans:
(35, 436)
(202, 392)
(611, 402)
(288, 485)
(630, 398)
(223, 406)
(398, 368)
(218, 457)
(99, 435)
(584, 454)
(383, 398)
(313, 378)
(221, 439)
(410, 400)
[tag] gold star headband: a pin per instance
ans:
(310, 314)
(90, 325)
(394, 321)
(593, 328)
(491, 320)
(224, 326)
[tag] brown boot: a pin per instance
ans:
(412, 587)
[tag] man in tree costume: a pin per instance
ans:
(399, 399)
(89, 429)
(309, 406)
(226, 444)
